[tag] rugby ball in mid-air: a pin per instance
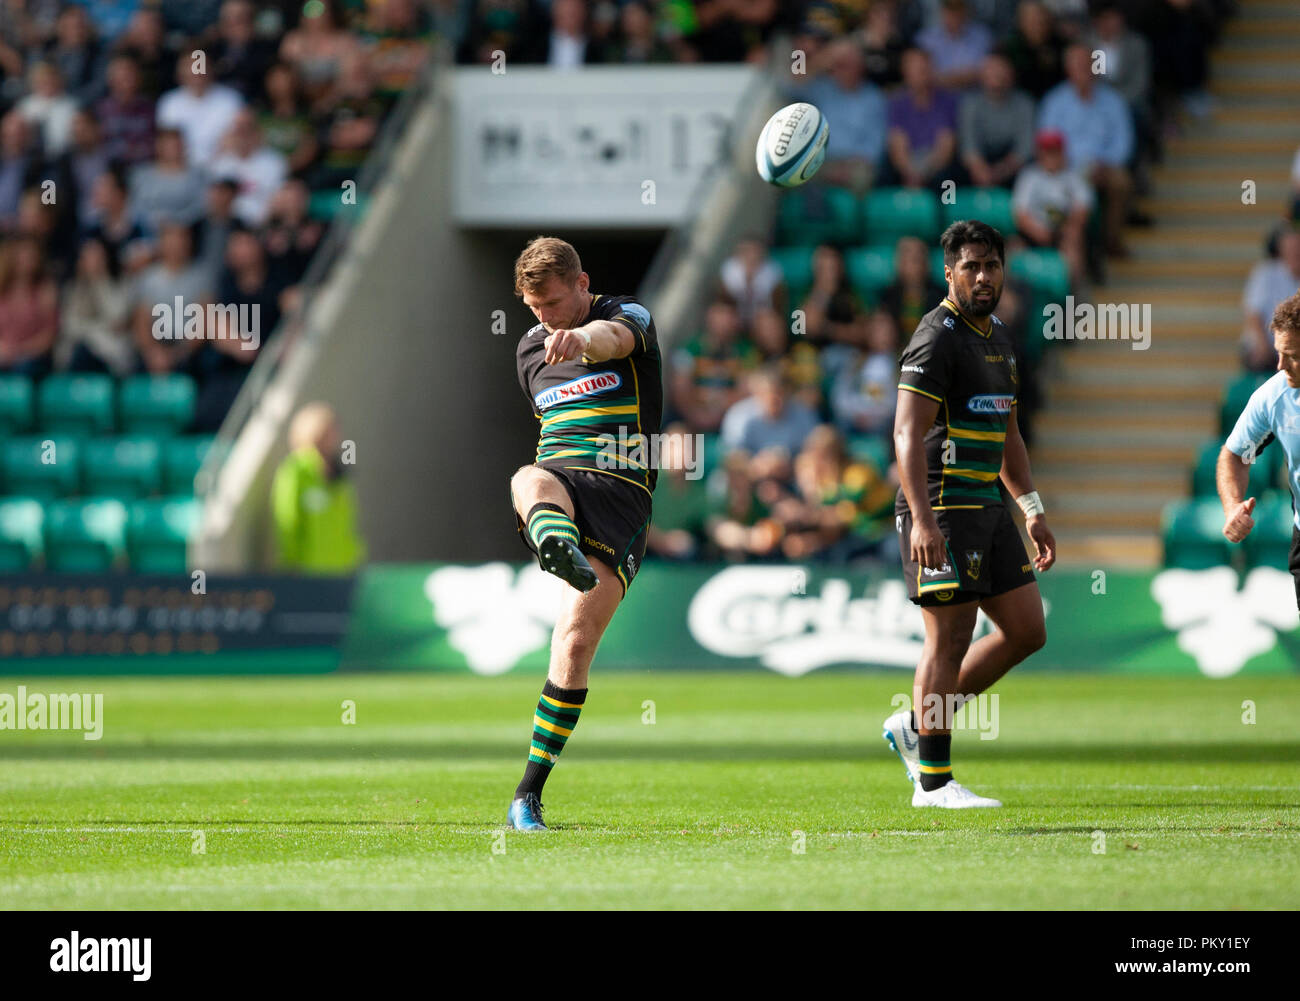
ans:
(792, 145)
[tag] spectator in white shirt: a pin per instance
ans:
(49, 109)
(1051, 203)
(258, 169)
(1269, 283)
(200, 108)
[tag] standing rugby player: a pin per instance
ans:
(955, 433)
(1272, 413)
(590, 370)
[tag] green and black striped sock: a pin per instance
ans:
(556, 716)
(550, 519)
(936, 764)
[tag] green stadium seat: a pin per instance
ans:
(1193, 534)
(17, 404)
(869, 269)
(817, 214)
(988, 205)
(72, 403)
(85, 536)
(158, 533)
(1236, 394)
(22, 543)
(870, 448)
(1264, 474)
(1269, 541)
(157, 404)
(126, 468)
(1044, 270)
(796, 264)
(892, 213)
(182, 458)
(40, 466)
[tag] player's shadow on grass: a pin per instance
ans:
(864, 751)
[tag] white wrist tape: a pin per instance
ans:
(585, 335)
(1030, 503)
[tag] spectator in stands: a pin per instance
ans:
(249, 311)
(682, 504)
(499, 26)
(255, 167)
(856, 144)
(639, 42)
(744, 527)
(844, 508)
(865, 393)
(956, 44)
(914, 291)
(286, 126)
(996, 126)
(116, 225)
(125, 114)
(397, 41)
(568, 44)
(1127, 68)
(1098, 130)
(40, 220)
(215, 227)
(18, 166)
(80, 169)
(708, 370)
(48, 109)
(1269, 283)
(239, 58)
(168, 189)
(1071, 17)
(93, 334)
(731, 32)
(202, 110)
(1182, 31)
(1051, 204)
(109, 18)
(290, 236)
(318, 49)
(922, 126)
(832, 311)
(158, 326)
(754, 282)
(145, 42)
(313, 500)
(348, 123)
(768, 417)
(76, 54)
(882, 46)
(1035, 49)
(29, 309)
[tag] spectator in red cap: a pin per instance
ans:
(1051, 203)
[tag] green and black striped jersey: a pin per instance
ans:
(973, 377)
(598, 415)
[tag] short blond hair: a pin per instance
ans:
(544, 258)
(309, 425)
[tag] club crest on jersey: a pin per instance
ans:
(1011, 363)
(989, 404)
(576, 389)
(974, 560)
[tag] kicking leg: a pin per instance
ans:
(582, 621)
(546, 512)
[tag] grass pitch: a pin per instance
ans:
(1120, 792)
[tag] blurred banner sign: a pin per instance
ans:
(604, 146)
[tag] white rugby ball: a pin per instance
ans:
(792, 145)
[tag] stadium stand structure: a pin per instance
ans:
(1125, 428)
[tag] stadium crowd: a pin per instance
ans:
(983, 93)
(178, 154)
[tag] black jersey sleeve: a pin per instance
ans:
(636, 318)
(926, 365)
(524, 360)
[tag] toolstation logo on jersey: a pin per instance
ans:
(588, 385)
(989, 404)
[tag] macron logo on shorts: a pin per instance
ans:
(588, 385)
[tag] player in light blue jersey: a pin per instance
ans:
(1273, 413)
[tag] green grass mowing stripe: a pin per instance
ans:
(405, 808)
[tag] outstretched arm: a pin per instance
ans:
(599, 340)
(1231, 476)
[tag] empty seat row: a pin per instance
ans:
(84, 403)
(126, 467)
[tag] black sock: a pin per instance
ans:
(936, 766)
(556, 716)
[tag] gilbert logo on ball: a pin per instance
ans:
(792, 145)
